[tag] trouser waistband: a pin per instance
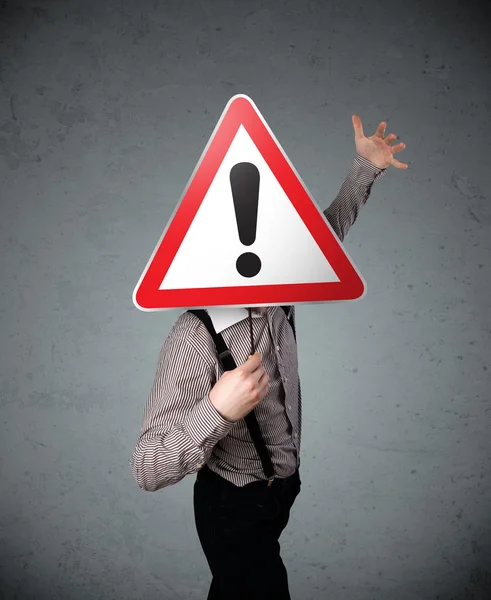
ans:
(206, 473)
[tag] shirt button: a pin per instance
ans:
(290, 406)
(278, 348)
(295, 435)
(286, 379)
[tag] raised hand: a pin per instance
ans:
(377, 148)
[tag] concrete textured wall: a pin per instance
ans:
(105, 108)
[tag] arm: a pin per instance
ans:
(353, 195)
(180, 424)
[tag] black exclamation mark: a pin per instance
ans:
(244, 180)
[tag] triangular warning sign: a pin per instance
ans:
(246, 232)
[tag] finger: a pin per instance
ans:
(357, 126)
(264, 385)
(398, 165)
(263, 379)
(258, 379)
(252, 363)
(390, 138)
(397, 147)
(258, 374)
(381, 129)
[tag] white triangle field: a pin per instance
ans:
(209, 251)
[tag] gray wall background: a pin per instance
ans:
(105, 109)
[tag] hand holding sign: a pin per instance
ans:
(239, 391)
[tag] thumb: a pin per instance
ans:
(357, 126)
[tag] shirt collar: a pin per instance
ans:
(226, 316)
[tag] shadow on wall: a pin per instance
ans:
(477, 588)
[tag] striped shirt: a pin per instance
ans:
(182, 431)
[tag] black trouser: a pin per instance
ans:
(239, 529)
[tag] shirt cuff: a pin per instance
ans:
(204, 424)
(364, 171)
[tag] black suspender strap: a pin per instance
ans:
(229, 364)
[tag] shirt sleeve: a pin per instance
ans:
(354, 192)
(180, 425)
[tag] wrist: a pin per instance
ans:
(205, 425)
(219, 409)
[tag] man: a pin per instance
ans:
(194, 417)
